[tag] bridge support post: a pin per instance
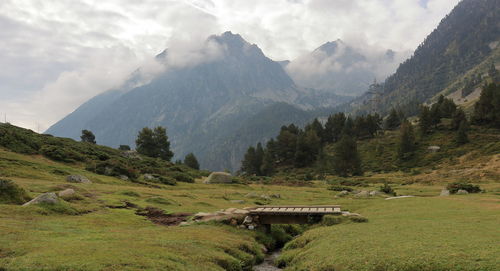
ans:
(267, 228)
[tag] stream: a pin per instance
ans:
(268, 264)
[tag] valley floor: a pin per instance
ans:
(427, 232)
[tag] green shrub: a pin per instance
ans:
(59, 153)
(165, 180)
(11, 193)
(347, 182)
(330, 220)
(386, 188)
(454, 187)
(181, 177)
(358, 219)
(340, 188)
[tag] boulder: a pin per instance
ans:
(462, 192)
(399, 197)
(375, 193)
(445, 192)
(219, 177)
(149, 177)
(252, 195)
(434, 148)
(77, 179)
(343, 193)
(123, 177)
(67, 193)
(362, 194)
(50, 198)
(131, 154)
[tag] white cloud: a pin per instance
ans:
(61, 53)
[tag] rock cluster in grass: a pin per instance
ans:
(77, 179)
(48, 198)
(362, 194)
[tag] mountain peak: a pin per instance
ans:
(330, 47)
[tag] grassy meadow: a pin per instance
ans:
(91, 231)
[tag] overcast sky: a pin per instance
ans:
(56, 54)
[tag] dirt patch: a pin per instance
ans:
(158, 216)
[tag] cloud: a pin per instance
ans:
(61, 53)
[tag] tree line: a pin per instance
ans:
(150, 142)
(296, 147)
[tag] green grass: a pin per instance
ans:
(439, 233)
(424, 233)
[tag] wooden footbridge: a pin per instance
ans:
(292, 214)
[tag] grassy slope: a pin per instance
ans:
(452, 233)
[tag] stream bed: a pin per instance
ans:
(268, 264)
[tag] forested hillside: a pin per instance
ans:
(464, 39)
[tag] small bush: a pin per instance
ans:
(181, 177)
(340, 188)
(347, 182)
(59, 153)
(330, 220)
(165, 180)
(358, 219)
(454, 187)
(11, 193)
(386, 188)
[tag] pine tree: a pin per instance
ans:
(425, 120)
(493, 73)
(308, 147)
(406, 145)
(267, 168)
(461, 135)
(318, 128)
(259, 157)
(248, 163)
(487, 109)
(287, 144)
(457, 119)
(393, 120)
(88, 136)
(191, 161)
(154, 143)
(346, 160)
(124, 148)
(333, 127)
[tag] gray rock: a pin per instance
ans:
(239, 201)
(462, 192)
(445, 192)
(362, 194)
(434, 148)
(252, 195)
(399, 197)
(50, 198)
(123, 177)
(219, 177)
(375, 193)
(247, 220)
(77, 179)
(343, 193)
(266, 197)
(148, 177)
(184, 223)
(67, 193)
(131, 154)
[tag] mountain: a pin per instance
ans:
(465, 41)
(203, 102)
(340, 68)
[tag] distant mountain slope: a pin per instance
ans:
(464, 39)
(340, 68)
(199, 104)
